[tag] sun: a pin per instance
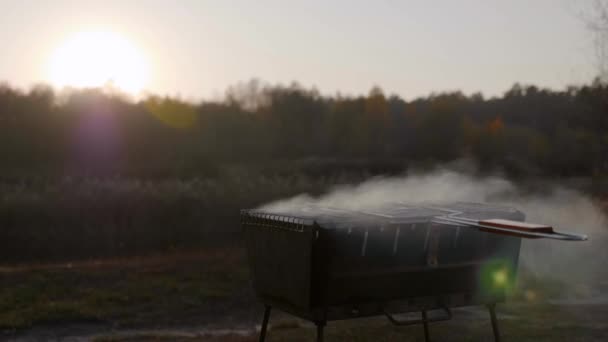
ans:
(97, 59)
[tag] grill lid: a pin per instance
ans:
(485, 217)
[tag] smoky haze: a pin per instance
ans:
(579, 266)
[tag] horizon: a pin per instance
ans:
(110, 90)
(199, 49)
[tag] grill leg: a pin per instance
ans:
(267, 309)
(320, 326)
(492, 309)
(426, 326)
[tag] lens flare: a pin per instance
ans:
(497, 277)
(500, 277)
(175, 113)
(530, 295)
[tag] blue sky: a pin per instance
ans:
(411, 48)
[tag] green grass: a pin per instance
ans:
(155, 293)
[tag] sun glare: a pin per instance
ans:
(97, 59)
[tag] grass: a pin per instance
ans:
(157, 291)
(69, 219)
(186, 296)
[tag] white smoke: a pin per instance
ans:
(438, 186)
(575, 264)
(568, 210)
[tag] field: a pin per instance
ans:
(129, 260)
(206, 296)
(87, 218)
(84, 218)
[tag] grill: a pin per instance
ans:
(323, 264)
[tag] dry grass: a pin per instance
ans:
(76, 219)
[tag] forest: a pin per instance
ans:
(97, 133)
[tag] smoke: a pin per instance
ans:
(574, 264)
(579, 266)
(438, 186)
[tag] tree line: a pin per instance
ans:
(101, 133)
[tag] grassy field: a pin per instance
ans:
(79, 219)
(206, 296)
(185, 288)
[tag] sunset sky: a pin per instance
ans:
(198, 48)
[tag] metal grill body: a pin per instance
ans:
(326, 264)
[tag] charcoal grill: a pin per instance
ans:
(323, 264)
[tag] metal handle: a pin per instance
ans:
(465, 222)
(446, 317)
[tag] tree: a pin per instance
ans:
(376, 121)
(597, 22)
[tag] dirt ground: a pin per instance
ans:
(206, 296)
(518, 322)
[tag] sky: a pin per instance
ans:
(196, 49)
